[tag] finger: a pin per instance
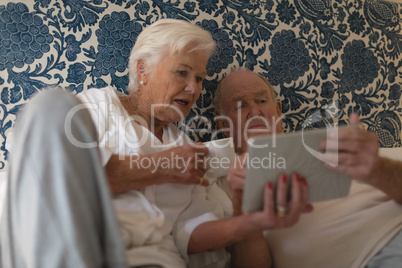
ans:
(205, 182)
(351, 145)
(202, 166)
(296, 188)
(240, 158)
(354, 119)
(199, 180)
(308, 208)
(195, 175)
(200, 163)
(201, 148)
(236, 178)
(269, 207)
(335, 159)
(281, 191)
(239, 173)
(305, 196)
(236, 183)
(346, 134)
(296, 201)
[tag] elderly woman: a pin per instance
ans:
(58, 209)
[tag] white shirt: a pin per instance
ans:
(157, 222)
(345, 232)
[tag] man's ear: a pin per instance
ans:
(279, 120)
(279, 107)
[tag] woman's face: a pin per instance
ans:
(175, 84)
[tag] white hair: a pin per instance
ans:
(166, 35)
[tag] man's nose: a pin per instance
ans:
(254, 111)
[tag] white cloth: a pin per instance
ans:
(156, 223)
(58, 209)
(345, 232)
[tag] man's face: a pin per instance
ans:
(249, 109)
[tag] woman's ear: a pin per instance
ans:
(141, 74)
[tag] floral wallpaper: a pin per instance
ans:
(325, 58)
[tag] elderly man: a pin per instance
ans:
(363, 229)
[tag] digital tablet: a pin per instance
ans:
(269, 156)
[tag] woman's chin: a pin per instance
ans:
(172, 115)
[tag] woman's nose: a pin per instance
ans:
(193, 87)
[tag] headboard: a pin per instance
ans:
(324, 58)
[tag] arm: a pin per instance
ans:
(186, 165)
(386, 176)
(242, 234)
(243, 240)
(358, 157)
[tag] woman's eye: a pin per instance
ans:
(199, 79)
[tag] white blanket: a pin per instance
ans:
(394, 153)
(344, 232)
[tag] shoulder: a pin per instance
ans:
(96, 95)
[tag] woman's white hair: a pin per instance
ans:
(166, 35)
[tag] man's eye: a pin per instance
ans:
(262, 101)
(239, 107)
(182, 73)
(199, 79)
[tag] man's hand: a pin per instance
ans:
(354, 152)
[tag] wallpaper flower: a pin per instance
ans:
(324, 58)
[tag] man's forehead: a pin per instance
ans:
(264, 92)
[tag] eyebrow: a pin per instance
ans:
(189, 67)
(257, 94)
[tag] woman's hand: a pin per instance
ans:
(243, 232)
(269, 218)
(279, 212)
(183, 164)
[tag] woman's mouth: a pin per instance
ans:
(182, 103)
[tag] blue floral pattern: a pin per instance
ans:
(359, 66)
(290, 58)
(24, 37)
(324, 58)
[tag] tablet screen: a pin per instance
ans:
(269, 156)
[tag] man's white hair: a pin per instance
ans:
(166, 35)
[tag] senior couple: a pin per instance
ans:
(60, 212)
